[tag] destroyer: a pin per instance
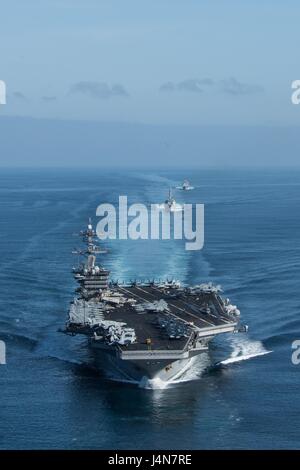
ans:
(185, 186)
(144, 331)
(170, 205)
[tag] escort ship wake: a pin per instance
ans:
(144, 331)
(170, 205)
(185, 186)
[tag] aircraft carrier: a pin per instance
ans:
(144, 331)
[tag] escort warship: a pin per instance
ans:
(144, 331)
(170, 205)
(185, 186)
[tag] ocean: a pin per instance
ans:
(243, 394)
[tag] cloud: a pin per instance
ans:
(19, 95)
(233, 87)
(168, 86)
(230, 86)
(193, 85)
(49, 99)
(100, 90)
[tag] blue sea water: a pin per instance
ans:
(51, 395)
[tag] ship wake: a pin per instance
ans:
(194, 369)
(244, 349)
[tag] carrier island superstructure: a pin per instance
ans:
(144, 331)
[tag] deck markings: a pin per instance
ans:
(143, 298)
(221, 315)
(185, 311)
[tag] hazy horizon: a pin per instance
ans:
(135, 83)
(32, 142)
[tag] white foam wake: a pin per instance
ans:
(192, 371)
(174, 208)
(244, 349)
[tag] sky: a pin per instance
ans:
(155, 63)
